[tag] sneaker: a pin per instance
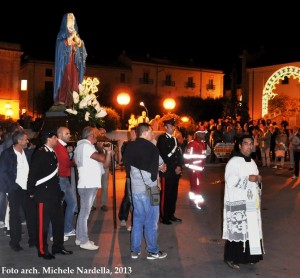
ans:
(159, 255)
(294, 177)
(78, 242)
(129, 228)
(135, 255)
(2, 224)
(123, 223)
(89, 246)
(65, 238)
(72, 233)
(274, 167)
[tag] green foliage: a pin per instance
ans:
(234, 109)
(112, 120)
(278, 102)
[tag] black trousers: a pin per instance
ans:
(19, 200)
(168, 196)
(50, 211)
(296, 159)
(126, 202)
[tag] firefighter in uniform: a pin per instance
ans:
(43, 186)
(172, 155)
(194, 159)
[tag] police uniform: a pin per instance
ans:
(171, 154)
(43, 184)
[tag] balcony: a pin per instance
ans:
(190, 85)
(145, 81)
(169, 83)
(210, 87)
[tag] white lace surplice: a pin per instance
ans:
(242, 217)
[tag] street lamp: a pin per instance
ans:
(185, 119)
(143, 104)
(169, 104)
(123, 99)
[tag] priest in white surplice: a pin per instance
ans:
(242, 227)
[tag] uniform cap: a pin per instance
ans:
(169, 121)
(48, 133)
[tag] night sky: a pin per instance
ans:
(212, 35)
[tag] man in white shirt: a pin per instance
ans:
(90, 165)
(14, 169)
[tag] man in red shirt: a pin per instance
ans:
(64, 172)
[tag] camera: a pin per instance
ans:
(106, 145)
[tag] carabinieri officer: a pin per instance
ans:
(43, 186)
(172, 156)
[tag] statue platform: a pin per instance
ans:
(55, 117)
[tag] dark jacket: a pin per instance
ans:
(143, 155)
(43, 163)
(8, 169)
(166, 145)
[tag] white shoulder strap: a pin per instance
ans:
(47, 178)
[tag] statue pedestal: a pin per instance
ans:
(50, 114)
(55, 119)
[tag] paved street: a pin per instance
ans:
(194, 247)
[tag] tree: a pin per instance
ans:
(279, 103)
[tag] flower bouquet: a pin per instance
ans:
(86, 107)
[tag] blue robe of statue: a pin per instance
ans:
(69, 64)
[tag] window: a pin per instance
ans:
(122, 78)
(168, 81)
(210, 85)
(190, 83)
(48, 73)
(145, 79)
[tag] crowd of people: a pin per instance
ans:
(40, 192)
(256, 144)
(36, 184)
(36, 187)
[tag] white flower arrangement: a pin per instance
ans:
(85, 104)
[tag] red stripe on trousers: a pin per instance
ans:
(40, 232)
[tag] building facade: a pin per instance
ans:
(10, 62)
(153, 77)
(266, 83)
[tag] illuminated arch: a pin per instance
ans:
(273, 80)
